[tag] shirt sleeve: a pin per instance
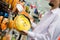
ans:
(53, 31)
(39, 36)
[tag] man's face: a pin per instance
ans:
(54, 3)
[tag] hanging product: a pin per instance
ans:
(22, 11)
(4, 24)
(22, 23)
(19, 7)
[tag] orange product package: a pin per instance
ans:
(14, 3)
(1, 17)
(11, 24)
(3, 26)
(10, 1)
(26, 14)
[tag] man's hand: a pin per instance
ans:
(24, 32)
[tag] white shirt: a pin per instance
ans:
(48, 28)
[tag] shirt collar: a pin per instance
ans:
(56, 10)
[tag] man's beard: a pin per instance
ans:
(51, 4)
(59, 5)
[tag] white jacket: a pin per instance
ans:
(48, 28)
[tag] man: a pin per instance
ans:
(49, 26)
